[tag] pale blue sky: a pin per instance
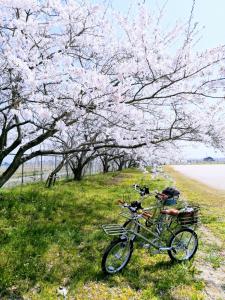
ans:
(210, 16)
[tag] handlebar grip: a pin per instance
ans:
(120, 202)
(146, 215)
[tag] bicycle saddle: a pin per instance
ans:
(171, 212)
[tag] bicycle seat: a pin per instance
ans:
(171, 212)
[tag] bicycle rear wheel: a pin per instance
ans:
(184, 244)
(117, 256)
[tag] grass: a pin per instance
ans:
(51, 238)
(212, 205)
(214, 259)
(211, 202)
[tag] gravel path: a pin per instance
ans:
(214, 278)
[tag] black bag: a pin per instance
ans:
(171, 192)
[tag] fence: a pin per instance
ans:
(39, 168)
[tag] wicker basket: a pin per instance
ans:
(189, 216)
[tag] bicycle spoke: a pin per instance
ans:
(117, 256)
(184, 244)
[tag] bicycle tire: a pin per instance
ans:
(136, 229)
(120, 244)
(179, 245)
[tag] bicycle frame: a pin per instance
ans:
(157, 235)
(157, 220)
(164, 230)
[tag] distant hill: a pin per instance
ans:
(209, 158)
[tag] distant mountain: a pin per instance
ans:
(209, 158)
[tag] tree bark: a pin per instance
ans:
(10, 171)
(106, 168)
(120, 166)
(77, 167)
(52, 176)
(77, 173)
(21, 156)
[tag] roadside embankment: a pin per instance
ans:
(211, 257)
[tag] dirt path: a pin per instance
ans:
(214, 278)
(210, 258)
(118, 178)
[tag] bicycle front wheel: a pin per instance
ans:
(184, 244)
(133, 226)
(117, 256)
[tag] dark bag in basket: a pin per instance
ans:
(188, 216)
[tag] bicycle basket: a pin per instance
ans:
(114, 229)
(188, 216)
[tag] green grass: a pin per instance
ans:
(52, 237)
(212, 205)
(211, 202)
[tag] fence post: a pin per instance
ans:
(55, 161)
(90, 168)
(67, 170)
(41, 169)
(22, 180)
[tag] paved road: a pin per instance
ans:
(212, 175)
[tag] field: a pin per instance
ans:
(51, 243)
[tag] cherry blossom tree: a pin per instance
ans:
(123, 159)
(171, 89)
(49, 66)
(62, 61)
(85, 137)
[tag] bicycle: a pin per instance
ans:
(153, 218)
(180, 246)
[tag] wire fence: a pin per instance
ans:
(39, 168)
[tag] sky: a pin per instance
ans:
(210, 16)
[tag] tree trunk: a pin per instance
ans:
(105, 168)
(132, 164)
(52, 176)
(17, 161)
(77, 173)
(77, 168)
(8, 173)
(120, 166)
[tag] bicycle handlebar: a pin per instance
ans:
(134, 206)
(141, 190)
(145, 190)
